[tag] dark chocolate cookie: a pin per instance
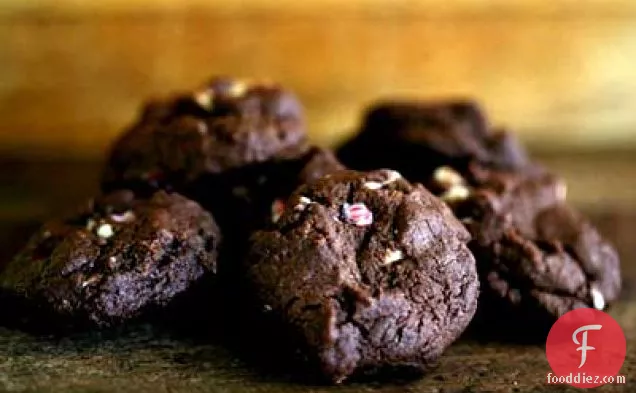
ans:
(120, 259)
(417, 137)
(532, 270)
(249, 198)
(366, 271)
(537, 257)
(225, 125)
(234, 147)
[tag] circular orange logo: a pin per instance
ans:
(585, 348)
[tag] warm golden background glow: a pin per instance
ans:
(560, 73)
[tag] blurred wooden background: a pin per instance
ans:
(560, 73)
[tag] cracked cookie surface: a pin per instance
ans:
(366, 271)
(537, 257)
(226, 124)
(235, 147)
(118, 259)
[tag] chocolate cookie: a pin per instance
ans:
(225, 125)
(537, 257)
(365, 271)
(418, 137)
(118, 260)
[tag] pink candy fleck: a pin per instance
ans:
(277, 209)
(357, 214)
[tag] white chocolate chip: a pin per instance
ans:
(303, 201)
(392, 256)
(205, 99)
(127, 216)
(267, 308)
(598, 301)
(561, 191)
(392, 176)
(105, 231)
(237, 89)
(373, 185)
(456, 193)
(447, 177)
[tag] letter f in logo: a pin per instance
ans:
(584, 347)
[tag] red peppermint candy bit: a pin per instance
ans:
(277, 210)
(357, 214)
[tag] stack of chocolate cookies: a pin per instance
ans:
(369, 262)
(537, 257)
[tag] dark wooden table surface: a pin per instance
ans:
(145, 360)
